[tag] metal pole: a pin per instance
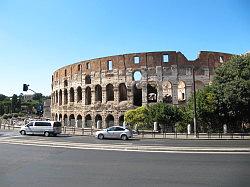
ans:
(195, 114)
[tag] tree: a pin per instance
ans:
(145, 116)
(14, 103)
(2, 97)
(137, 117)
(163, 114)
(206, 110)
(231, 88)
(38, 96)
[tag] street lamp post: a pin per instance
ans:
(195, 114)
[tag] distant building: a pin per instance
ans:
(27, 97)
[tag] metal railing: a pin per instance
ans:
(143, 134)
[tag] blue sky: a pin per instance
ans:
(39, 36)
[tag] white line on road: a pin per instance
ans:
(131, 148)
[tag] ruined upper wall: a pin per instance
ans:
(148, 59)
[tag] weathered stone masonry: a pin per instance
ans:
(101, 90)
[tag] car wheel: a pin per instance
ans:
(100, 136)
(22, 132)
(46, 134)
(124, 137)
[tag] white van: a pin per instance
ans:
(42, 127)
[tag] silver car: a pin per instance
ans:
(114, 132)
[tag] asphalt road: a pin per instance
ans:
(32, 166)
(154, 142)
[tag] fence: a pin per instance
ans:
(74, 131)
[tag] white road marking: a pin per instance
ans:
(125, 147)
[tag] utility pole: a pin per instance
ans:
(195, 114)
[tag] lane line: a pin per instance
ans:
(131, 148)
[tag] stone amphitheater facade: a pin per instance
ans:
(101, 90)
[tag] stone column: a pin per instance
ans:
(159, 92)
(63, 97)
(175, 94)
(92, 95)
(130, 93)
(116, 94)
(68, 90)
(144, 94)
(104, 98)
(116, 119)
(83, 95)
(188, 91)
(75, 95)
(104, 122)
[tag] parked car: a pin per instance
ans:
(117, 132)
(46, 128)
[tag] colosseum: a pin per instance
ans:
(96, 93)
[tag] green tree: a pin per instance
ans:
(231, 87)
(14, 103)
(137, 117)
(206, 110)
(38, 97)
(2, 97)
(163, 114)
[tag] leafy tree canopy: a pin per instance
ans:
(232, 89)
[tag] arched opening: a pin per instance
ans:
(79, 94)
(65, 83)
(87, 79)
(65, 120)
(88, 121)
(60, 117)
(137, 76)
(181, 91)
(110, 120)
(88, 65)
(121, 120)
(57, 97)
(98, 93)
(122, 92)
(151, 93)
(137, 95)
(55, 117)
(71, 95)
(167, 92)
(60, 97)
(65, 96)
(72, 120)
(110, 92)
(79, 121)
(98, 117)
(88, 96)
(79, 67)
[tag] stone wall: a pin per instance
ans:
(103, 89)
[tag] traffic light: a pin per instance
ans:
(25, 87)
